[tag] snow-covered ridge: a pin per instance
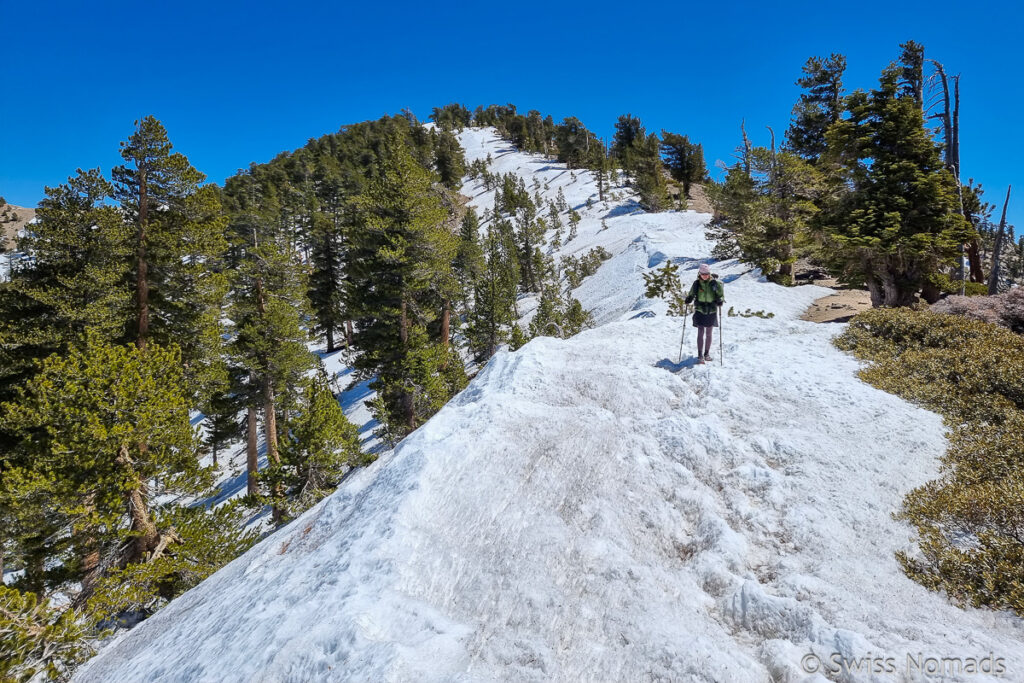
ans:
(588, 510)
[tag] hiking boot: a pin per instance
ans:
(700, 361)
(707, 357)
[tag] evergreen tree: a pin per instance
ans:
(449, 160)
(764, 216)
(628, 142)
(683, 159)
(901, 222)
(577, 146)
(452, 116)
(911, 74)
(400, 246)
(326, 289)
(820, 106)
(80, 260)
(319, 447)
(269, 308)
(202, 541)
(223, 425)
(529, 236)
(469, 260)
(494, 293)
(38, 641)
(100, 425)
(558, 315)
(178, 285)
(574, 222)
(650, 180)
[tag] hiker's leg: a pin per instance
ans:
(708, 334)
(700, 341)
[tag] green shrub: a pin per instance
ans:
(948, 285)
(203, 542)
(970, 521)
(38, 641)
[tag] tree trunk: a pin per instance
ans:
(930, 293)
(446, 315)
(330, 339)
(142, 269)
(348, 334)
(251, 453)
(993, 278)
(407, 398)
(974, 261)
(144, 531)
(746, 148)
(951, 155)
(270, 421)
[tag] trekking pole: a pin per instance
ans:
(682, 339)
(721, 356)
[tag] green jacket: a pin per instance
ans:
(710, 294)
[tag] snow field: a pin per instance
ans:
(591, 510)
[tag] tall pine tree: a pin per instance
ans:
(400, 246)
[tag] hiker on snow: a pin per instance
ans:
(709, 294)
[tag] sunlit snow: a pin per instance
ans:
(590, 510)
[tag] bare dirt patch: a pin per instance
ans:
(9, 230)
(838, 307)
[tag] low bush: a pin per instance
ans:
(970, 521)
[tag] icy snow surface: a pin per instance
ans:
(590, 510)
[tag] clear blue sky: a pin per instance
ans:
(236, 82)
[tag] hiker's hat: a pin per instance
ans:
(704, 269)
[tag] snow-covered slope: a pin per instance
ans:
(588, 510)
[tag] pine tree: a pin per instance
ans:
(577, 146)
(400, 247)
(326, 292)
(629, 142)
(684, 160)
(469, 260)
(529, 237)
(76, 280)
(574, 222)
(449, 160)
(201, 542)
(902, 221)
(100, 425)
(650, 180)
(558, 315)
(764, 216)
(494, 293)
(38, 641)
(320, 445)
(223, 424)
(179, 285)
(819, 107)
(269, 307)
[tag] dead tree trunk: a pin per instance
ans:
(993, 278)
(950, 117)
(746, 148)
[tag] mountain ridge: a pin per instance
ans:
(592, 509)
